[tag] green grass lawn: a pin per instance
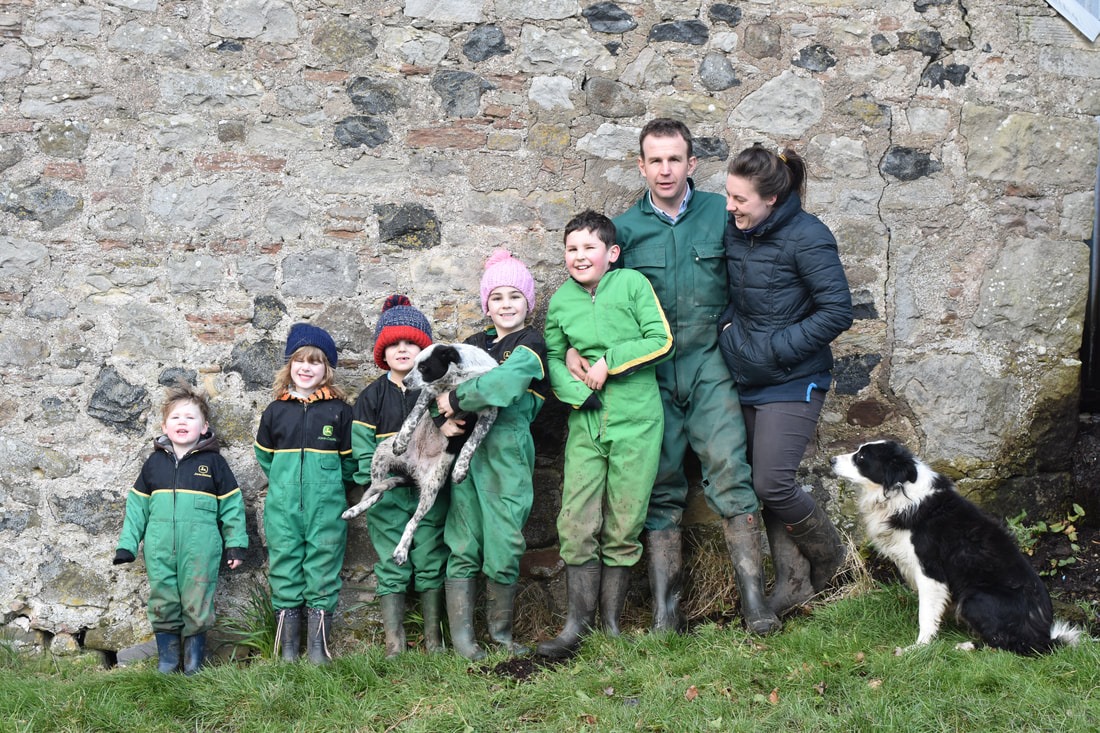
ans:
(833, 671)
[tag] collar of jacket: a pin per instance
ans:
(324, 393)
(207, 441)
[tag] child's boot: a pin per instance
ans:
(743, 542)
(288, 633)
(431, 608)
(792, 570)
(614, 582)
(582, 590)
(499, 600)
(393, 623)
(194, 651)
(318, 622)
(664, 552)
(461, 595)
(168, 652)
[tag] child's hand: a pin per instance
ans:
(443, 403)
(233, 564)
(453, 427)
(597, 375)
(576, 364)
(234, 557)
(122, 556)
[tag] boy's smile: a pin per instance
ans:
(588, 258)
(184, 426)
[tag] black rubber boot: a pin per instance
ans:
(288, 633)
(431, 609)
(819, 543)
(168, 652)
(461, 598)
(743, 542)
(194, 652)
(318, 623)
(664, 552)
(582, 590)
(499, 602)
(792, 571)
(393, 623)
(614, 583)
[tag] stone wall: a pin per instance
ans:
(183, 179)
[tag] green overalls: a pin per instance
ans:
(685, 262)
(183, 510)
(615, 434)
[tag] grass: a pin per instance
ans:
(835, 670)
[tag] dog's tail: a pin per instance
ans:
(1064, 634)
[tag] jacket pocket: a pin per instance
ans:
(710, 279)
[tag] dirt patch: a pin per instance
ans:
(521, 669)
(1074, 587)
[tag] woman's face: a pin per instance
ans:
(746, 205)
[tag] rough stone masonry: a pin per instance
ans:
(180, 180)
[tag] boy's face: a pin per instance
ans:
(307, 375)
(184, 424)
(666, 166)
(588, 258)
(507, 309)
(399, 356)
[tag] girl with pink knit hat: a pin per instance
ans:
(484, 528)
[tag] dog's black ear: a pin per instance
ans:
(437, 363)
(899, 467)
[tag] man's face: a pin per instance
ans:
(665, 164)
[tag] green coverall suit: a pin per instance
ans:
(615, 434)
(304, 447)
(183, 510)
(489, 508)
(378, 414)
(685, 262)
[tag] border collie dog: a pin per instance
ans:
(951, 552)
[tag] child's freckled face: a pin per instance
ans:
(306, 375)
(507, 309)
(185, 424)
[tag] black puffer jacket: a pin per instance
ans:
(789, 298)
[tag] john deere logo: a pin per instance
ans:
(327, 431)
(203, 470)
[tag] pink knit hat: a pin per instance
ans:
(504, 270)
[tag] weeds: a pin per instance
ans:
(1029, 535)
(254, 628)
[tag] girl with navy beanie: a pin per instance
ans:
(304, 446)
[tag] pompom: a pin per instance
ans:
(499, 255)
(395, 300)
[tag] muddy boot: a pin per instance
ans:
(582, 591)
(792, 571)
(431, 609)
(499, 600)
(461, 596)
(288, 633)
(664, 553)
(614, 583)
(318, 625)
(743, 542)
(393, 623)
(168, 652)
(819, 543)
(194, 652)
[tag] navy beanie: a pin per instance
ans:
(399, 322)
(303, 334)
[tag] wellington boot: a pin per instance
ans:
(431, 609)
(461, 598)
(743, 542)
(393, 623)
(288, 633)
(194, 652)
(582, 592)
(499, 601)
(168, 652)
(819, 543)
(614, 583)
(664, 553)
(318, 625)
(792, 571)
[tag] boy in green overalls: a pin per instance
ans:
(614, 320)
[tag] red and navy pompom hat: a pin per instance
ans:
(399, 320)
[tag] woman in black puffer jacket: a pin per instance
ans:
(789, 299)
